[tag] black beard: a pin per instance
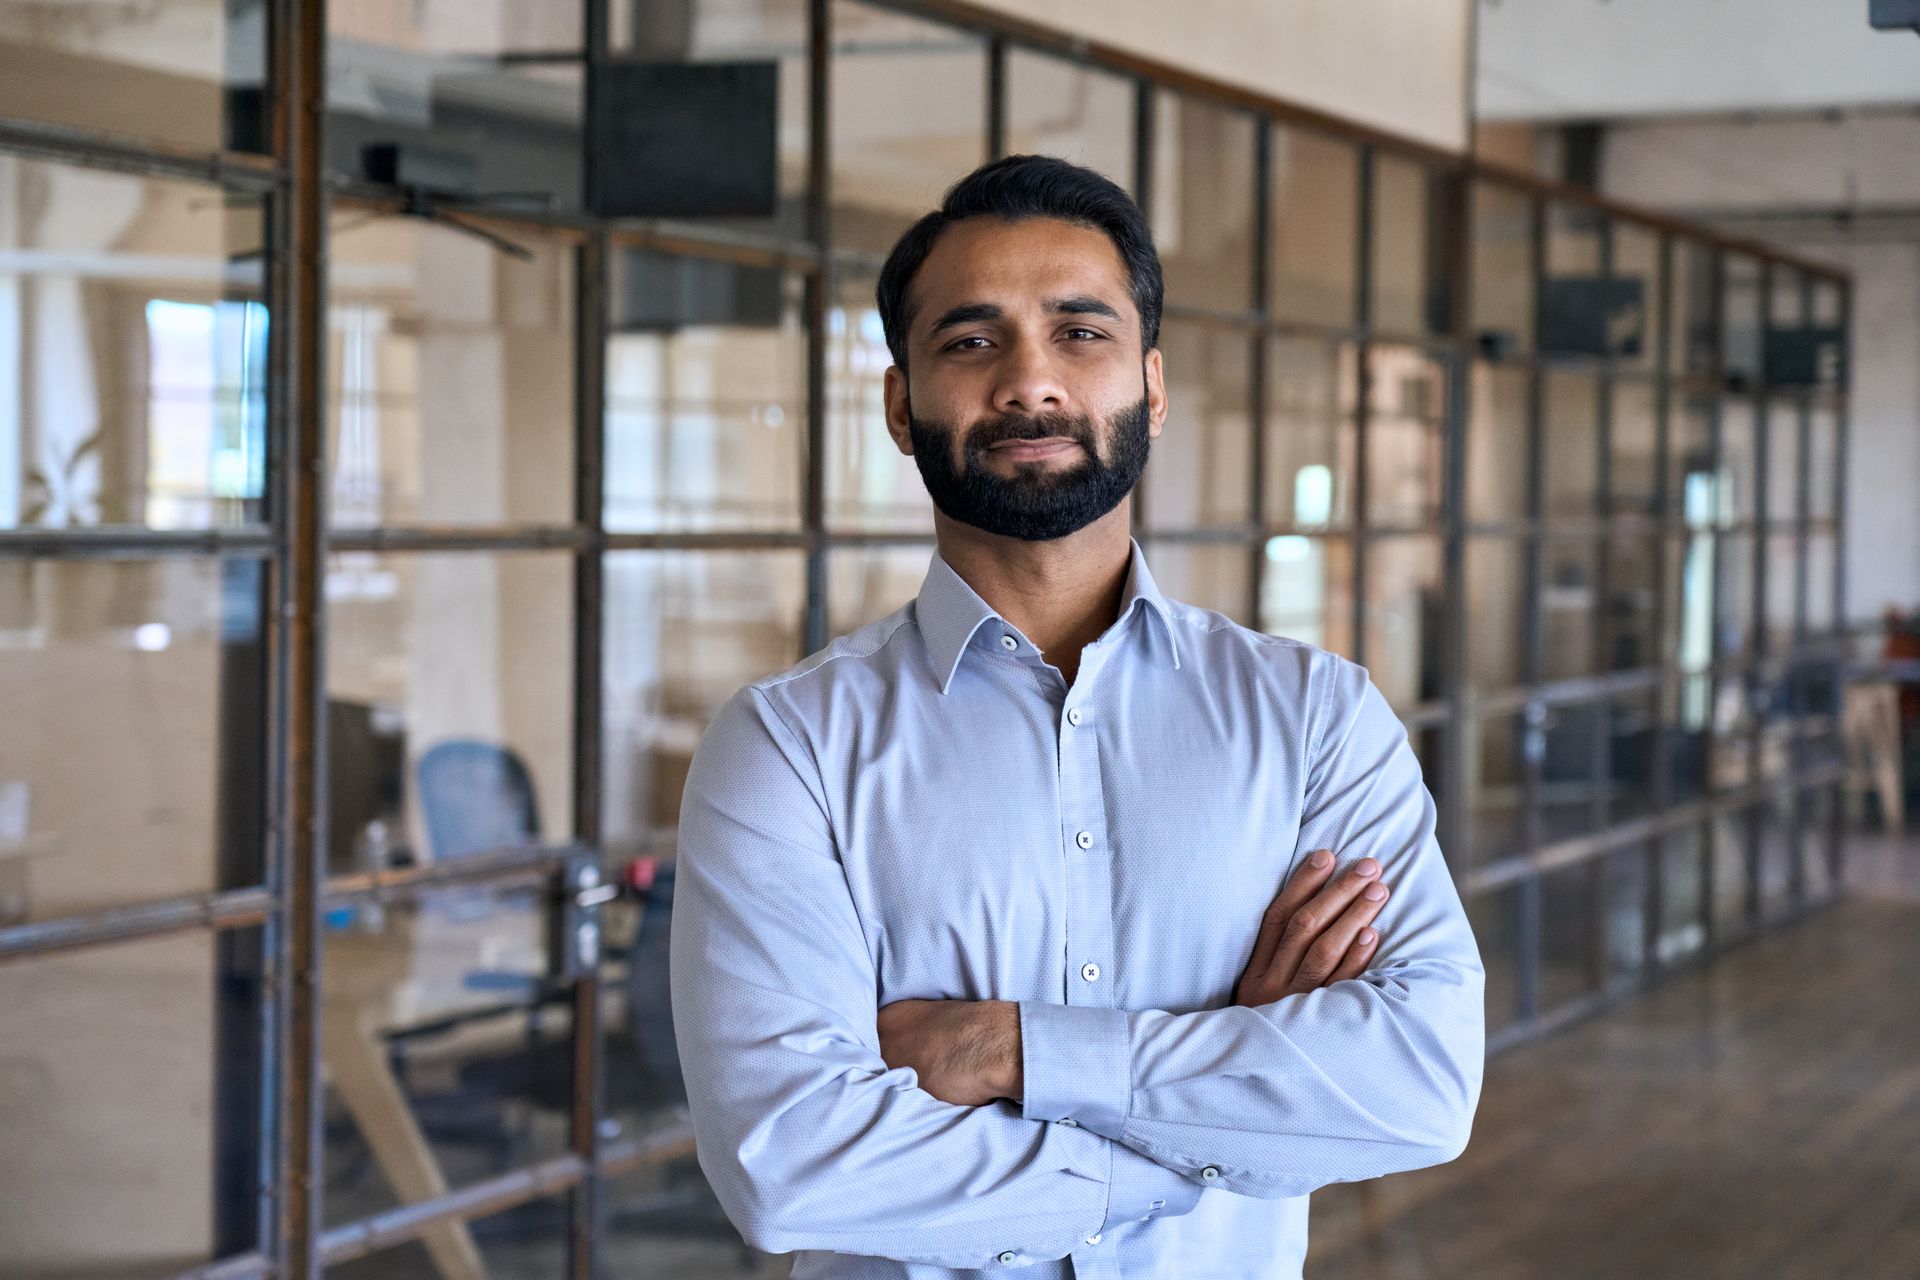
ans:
(1039, 502)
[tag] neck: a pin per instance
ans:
(1061, 594)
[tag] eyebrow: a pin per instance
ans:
(1082, 304)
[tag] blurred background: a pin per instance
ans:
(417, 418)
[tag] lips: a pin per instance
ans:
(1024, 449)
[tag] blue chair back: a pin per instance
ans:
(476, 796)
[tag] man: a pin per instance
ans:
(970, 966)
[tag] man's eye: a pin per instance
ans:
(1089, 333)
(960, 344)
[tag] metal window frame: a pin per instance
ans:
(297, 539)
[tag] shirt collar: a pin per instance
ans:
(949, 611)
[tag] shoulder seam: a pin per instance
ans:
(803, 669)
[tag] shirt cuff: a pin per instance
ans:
(1139, 1189)
(1077, 1065)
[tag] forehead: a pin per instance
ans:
(1018, 263)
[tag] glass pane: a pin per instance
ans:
(1497, 444)
(1568, 939)
(1632, 723)
(1211, 576)
(1058, 108)
(1821, 569)
(1817, 834)
(131, 765)
(1734, 597)
(449, 678)
(1569, 608)
(1786, 303)
(447, 1050)
(450, 376)
(1313, 240)
(1636, 258)
(471, 94)
(1624, 912)
(1573, 770)
(1573, 240)
(909, 119)
(1202, 210)
(1683, 888)
(1730, 759)
(122, 1062)
(735, 31)
(1306, 591)
(1497, 786)
(1636, 457)
(1740, 321)
(1405, 584)
(1496, 574)
(184, 75)
(1783, 572)
(1495, 918)
(1627, 642)
(1310, 435)
(1731, 831)
(1783, 461)
(1570, 433)
(1200, 466)
(526, 1242)
(133, 351)
(1695, 341)
(684, 630)
(1823, 442)
(1407, 299)
(706, 396)
(871, 486)
(865, 584)
(1502, 257)
(1406, 436)
(1739, 462)
(1777, 840)
(1693, 490)
(1691, 603)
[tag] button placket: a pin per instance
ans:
(1089, 864)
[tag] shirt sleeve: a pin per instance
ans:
(808, 1138)
(1368, 1076)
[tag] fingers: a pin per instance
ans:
(1315, 940)
(1313, 872)
(1359, 955)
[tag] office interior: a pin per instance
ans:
(416, 420)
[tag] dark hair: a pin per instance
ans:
(1017, 187)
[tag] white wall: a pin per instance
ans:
(1570, 59)
(1398, 65)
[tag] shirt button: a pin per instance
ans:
(1209, 1174)
(1073, 716)
(1009, 1256)
(1091, 972)
(1094, 1238)
(1009, 643)
(1070, 1122)
(1084, 839)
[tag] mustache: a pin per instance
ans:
(1019, 426)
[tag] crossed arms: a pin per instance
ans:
(813, 1140)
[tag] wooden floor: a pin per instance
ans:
(1757, 1118)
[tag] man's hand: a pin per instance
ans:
(1315, 932)
(966, 1051)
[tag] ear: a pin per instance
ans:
(1156, 395)
(899, 408)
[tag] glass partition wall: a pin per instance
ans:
(384, 511)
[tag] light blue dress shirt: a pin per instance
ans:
(925, 809)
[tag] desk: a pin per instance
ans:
(408, 971)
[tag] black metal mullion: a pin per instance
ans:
(996, 97)
(1366, 175)
(820, 285)
(1258, 372)
(1660, 753)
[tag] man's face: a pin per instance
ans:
(1029, 407)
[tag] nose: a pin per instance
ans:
(1028, 382)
